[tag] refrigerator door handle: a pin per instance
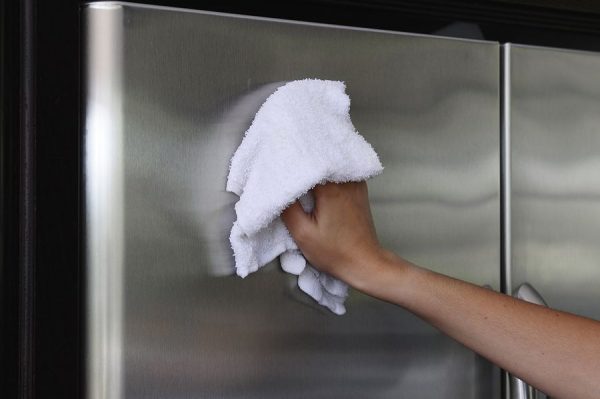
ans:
(520, 389)
(526, 292)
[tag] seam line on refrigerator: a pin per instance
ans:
(505, 188)
(505, 169)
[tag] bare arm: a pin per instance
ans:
(554, 351)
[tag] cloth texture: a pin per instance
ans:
(300, 137)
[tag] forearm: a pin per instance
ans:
(555, 351)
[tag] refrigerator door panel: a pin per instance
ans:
(169, 94)
(555, 137)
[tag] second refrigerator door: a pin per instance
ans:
(555, 137)
(169, 95)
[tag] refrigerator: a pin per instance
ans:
(552, 122)
(472, 142)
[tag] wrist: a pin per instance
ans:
(378, 272)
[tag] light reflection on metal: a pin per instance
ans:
(104, 201)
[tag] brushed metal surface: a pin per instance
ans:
(104, 173)
(190, 84)
(555, 142)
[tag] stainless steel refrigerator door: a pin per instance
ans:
(555, 144)
(169, 94)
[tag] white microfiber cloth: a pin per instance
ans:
(300, 137)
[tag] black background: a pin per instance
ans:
(41, 269)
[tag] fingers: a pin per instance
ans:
(323, 189)
(325, 193)
(333, 187)
(296, 220)
(301, 224)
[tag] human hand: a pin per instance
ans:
(339, 236)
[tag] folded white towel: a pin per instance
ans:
(300, 137)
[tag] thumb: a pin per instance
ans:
(296, 220)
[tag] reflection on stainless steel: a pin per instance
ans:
(518, 388)
(555, 132)
(104, 179)
(191, 84)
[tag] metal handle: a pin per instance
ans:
(527, 293)
(519, 389)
